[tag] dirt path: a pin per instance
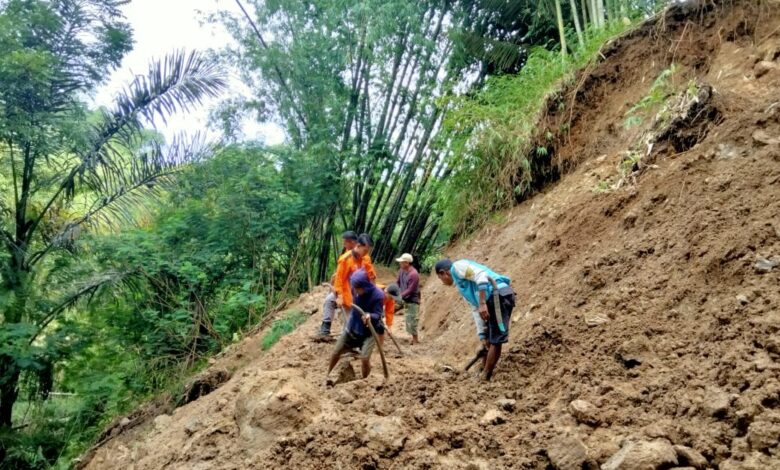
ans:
(647, 332)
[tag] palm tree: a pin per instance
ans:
(71, 169)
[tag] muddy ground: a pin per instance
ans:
(647, 330)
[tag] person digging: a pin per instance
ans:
(492, 299)
(370, 299)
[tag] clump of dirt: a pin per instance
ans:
(647, 326)
(203, 384)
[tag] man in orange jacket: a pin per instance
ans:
(349, 241)
(349, 262)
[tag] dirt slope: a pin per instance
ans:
(648, 314)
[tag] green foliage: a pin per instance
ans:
(629, 163)
(281, 327)
(660, 91)
(491, 132)
(66, 169)
(602, 187)
(209, 264)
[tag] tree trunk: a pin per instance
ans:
(561, 30)
(9, 389)
(594, 14)
(585, 17)
(577, 26)
(384, 245)
(600, 12)
(15, 281)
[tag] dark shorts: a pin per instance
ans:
(506, 298)
(347, 340)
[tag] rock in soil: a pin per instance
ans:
(492, 417)
(764, 265)
(754, 461)
(567, 453)
(344, 397)
(204, 383)
(690, 457)
(584, 412)
(344, 373)
(716, 403)
(634, 352)
(764, 433)
(385, 434)
(643, 455)
(506, 404)
(162, 422)
(193, 425)
(763, 67)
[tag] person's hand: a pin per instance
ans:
(340, 301)
(483, 311)
(485, 343)
(366, 319)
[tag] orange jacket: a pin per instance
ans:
(389, 306)
(348, 264)
(389, 310)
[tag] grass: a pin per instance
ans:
(601, 187)
(491, 134)
(281, 327)
(659, 93)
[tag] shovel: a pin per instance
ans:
(387, 330)
(480, 354)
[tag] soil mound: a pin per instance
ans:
(647, 330)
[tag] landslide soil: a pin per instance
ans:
(644, 300)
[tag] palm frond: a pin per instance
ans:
(87, 289)
(119, 160)
(121, 191)
(179, 82)
(503, 54)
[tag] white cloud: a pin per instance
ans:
(163, 26)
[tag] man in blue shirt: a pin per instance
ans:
(478, 284)
(370, 298)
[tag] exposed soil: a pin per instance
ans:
(647, 330)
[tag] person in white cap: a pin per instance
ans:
(409, 282)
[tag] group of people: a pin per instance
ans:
(354, 285)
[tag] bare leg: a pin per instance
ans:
(415, 340)
(334, 358)
(365, 366)
(490, 361)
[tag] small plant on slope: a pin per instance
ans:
(281, 327)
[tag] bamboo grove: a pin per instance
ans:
(363, 85)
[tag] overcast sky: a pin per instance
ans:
(162, 26)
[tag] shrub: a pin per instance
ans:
(281, 327)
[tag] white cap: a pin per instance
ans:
(405, 257)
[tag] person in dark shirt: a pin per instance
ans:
(409, 282)
(357, 334)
